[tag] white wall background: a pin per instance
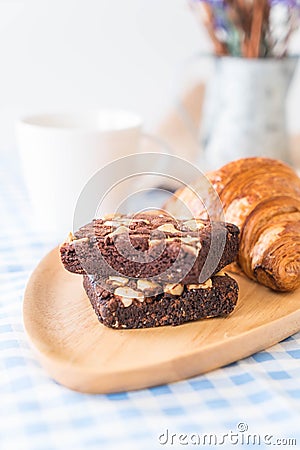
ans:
(64, 55)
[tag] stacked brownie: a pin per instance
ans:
(150, 270)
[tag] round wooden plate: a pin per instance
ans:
(84, 355)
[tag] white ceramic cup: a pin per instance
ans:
(60, 152)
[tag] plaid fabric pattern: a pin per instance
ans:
(259, 395)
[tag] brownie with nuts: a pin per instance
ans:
(131, 303)
(154, 246)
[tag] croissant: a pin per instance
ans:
(262, 197)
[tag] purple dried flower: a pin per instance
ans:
(252, 29)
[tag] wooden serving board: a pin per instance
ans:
(84, 355)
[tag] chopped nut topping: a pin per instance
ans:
(73, 240)
(126, 301)
(189, 239)
(142, 285)
(117, 281)
(174, 289)
(120, 230)
(190, 249)
(111, 223)
(206, 285)
(168, 228)
(221, 274)
(154, 242)
(112, 216)
(194, 224)
(84, 239)
(127, 294)
(71, 237)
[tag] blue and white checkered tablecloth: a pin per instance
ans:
(255, 401)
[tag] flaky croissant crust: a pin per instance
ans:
(262, 197)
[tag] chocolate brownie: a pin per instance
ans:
(151, 246)
(133, 305)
